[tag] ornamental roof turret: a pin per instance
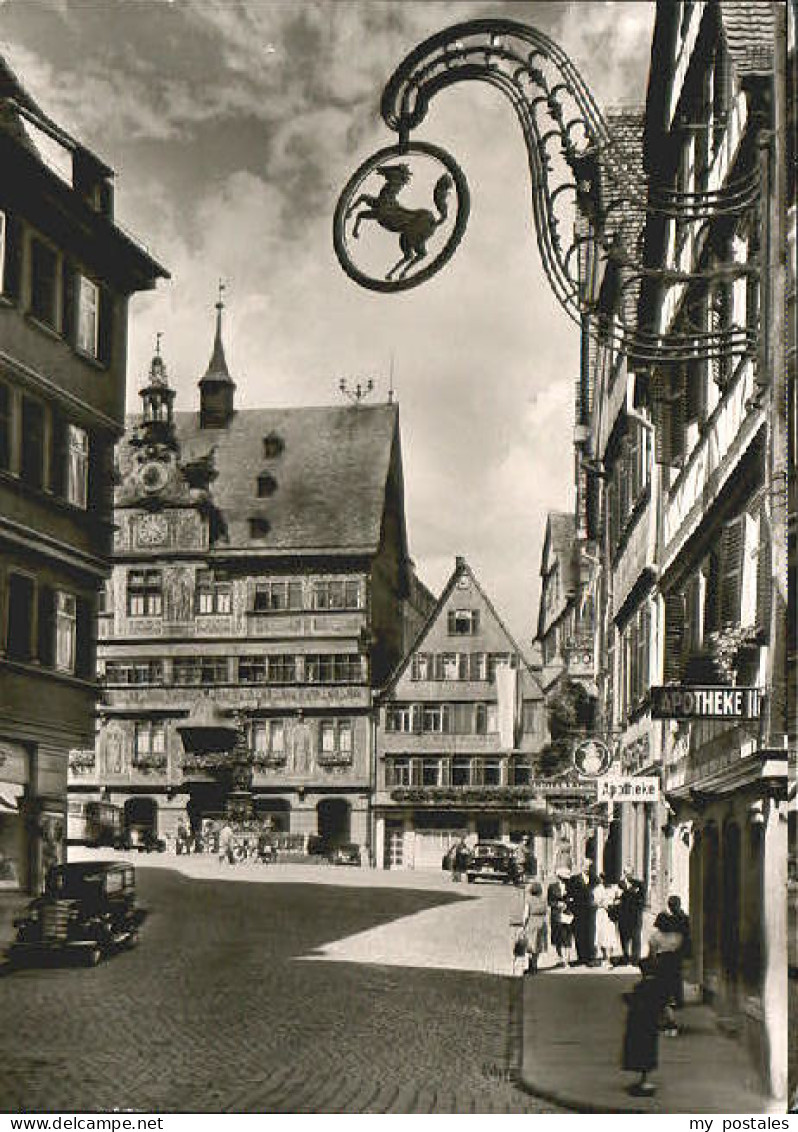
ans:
(217, 387)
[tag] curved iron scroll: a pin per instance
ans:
(578, 170)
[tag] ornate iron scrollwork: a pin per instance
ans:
(578, 169)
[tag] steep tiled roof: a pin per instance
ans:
(461, 568)
(750, 28)
(560, 535)
(328, 472)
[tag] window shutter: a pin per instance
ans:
(416, 717)
(674, 636)
(437, 666)
(764, 580)
(106, 328)
(450, 621)
(46, 629)
(712, 593)
(732, 547)
(446, 719)
(719, 321)
(68, 318)
(84, 634)
(12, 272)
(58, 457)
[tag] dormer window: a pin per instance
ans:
(267, 485)
(272, 446)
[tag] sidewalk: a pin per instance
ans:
(573, 1025)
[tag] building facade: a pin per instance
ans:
(66, 275)
(260, 563)
(460, 727)
(713, 125)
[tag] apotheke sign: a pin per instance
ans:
(680, 702)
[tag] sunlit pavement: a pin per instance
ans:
(573, 1033)
(346, 991)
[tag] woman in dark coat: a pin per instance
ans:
(641, 1037)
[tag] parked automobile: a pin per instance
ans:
(345, 855)
(493, 860)
(88, 909)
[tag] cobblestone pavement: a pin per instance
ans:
(213, 1012)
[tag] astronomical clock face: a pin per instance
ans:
(152, 477)
(152, 530)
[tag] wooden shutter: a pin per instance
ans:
(437, 666)
(46, 627)
(732, 549)
(712, 574)
(84, 638)
(450, 621)
(416, 719)
(68, 294)
(674, 636)
(719, 321)
(12, 272)
(764, 578)
(58, 453)
(106, 328)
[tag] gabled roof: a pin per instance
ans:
(461, 568)
(329, 468)
(559, 545)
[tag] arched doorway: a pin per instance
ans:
(141, 815)
(334, 817)
(277, 811)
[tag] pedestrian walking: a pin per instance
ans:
(677, 921)
(460, 859)
(226, 844)
(604, 898)
(584, 912)
(630, 916)
(560, 919)
(534, 925)
(640, 1052)
(664, 962)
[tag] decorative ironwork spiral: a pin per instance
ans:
(575, 164)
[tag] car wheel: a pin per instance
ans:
(471, 878)
(93, 955)
(133, 939)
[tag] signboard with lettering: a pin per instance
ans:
(680, 702)
(627, 788)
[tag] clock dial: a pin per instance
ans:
(152, 477)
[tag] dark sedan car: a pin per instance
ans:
(493, 860)
(88, 909)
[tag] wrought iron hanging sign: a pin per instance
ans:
(401, 217)
(403, 213)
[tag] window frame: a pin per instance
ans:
(91, 350)
(38, 247)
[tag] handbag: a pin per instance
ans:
(521, 944)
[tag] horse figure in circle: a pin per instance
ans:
(414, 225)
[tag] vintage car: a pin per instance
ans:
(88, 909)
(345, 855)
(493, 860)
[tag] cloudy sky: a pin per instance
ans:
(232, 126)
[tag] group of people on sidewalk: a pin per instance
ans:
(585, 919)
